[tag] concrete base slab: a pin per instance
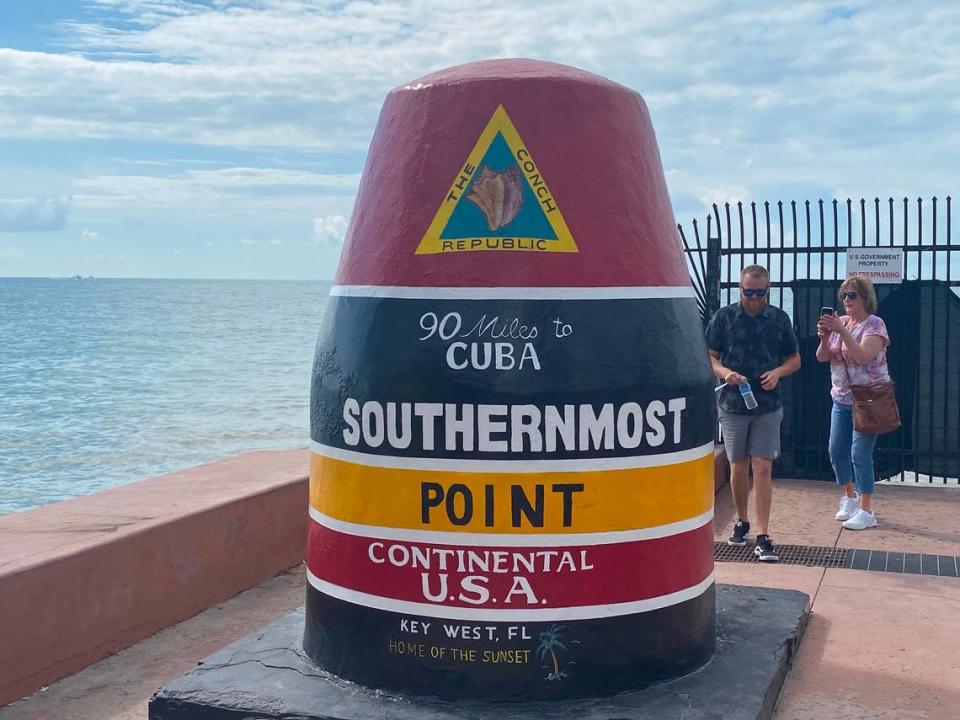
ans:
(266, 676)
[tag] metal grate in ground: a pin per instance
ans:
(831, 557)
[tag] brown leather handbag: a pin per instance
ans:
(875, 410)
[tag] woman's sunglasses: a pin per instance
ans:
(848, 296)
(750, 292)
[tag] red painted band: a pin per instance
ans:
(560, 576)
(593, 142)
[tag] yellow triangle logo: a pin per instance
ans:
(498, 201)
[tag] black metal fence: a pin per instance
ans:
(804, 247)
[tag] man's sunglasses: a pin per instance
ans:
(848, 296)
(751, 292)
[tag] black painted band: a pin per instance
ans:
(589, 363)
(531, 661)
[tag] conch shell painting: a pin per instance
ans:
(498, 195)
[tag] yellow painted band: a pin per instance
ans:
(610, 500)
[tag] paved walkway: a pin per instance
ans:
(879, 646)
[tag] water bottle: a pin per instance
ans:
(748, 399)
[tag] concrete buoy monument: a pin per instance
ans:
(511, 487)
(512, 419)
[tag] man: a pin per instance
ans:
(752, 342)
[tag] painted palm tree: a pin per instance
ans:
(549, 642)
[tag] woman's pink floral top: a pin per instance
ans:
(873, 371)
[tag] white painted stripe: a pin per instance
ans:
(513, 293)
(630, 462)
(447, 537)
(586, 612)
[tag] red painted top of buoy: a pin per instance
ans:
(592, 142)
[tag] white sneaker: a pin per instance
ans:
(848, 507)
(861, 521)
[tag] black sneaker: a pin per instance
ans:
(764, 549)
(739, 534)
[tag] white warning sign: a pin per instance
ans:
(882, 265)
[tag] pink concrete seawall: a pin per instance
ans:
(84, 578)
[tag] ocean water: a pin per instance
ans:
(105, 382)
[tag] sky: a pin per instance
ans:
(181, 138)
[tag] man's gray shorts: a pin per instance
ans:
(753, 435)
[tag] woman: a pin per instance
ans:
(855, 345)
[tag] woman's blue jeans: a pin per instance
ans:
(851, 452)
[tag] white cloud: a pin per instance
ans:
(263, 188)
(34, 214)
(10, 254)
(724, 193)
(250, 241)
(258, 240)
(329, 230)
(246, 177)
(90, 235)
(308, 74)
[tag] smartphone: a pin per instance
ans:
(827, 311)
